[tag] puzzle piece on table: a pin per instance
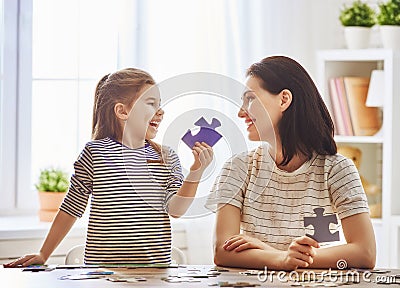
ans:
(373, 271)
(37, 268)
(99, 273)
(176, 279)
(219, 269)
(234, 284)
(206, 134)
(196, 274)
(249, 272)
(80, 277)
(317, 284)
(128, 279)
(321, 226)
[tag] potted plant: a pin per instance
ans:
(389, 20)
(52, 187)
(357, 20)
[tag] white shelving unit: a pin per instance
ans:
(380, 162)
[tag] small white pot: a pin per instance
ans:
(390, 36)
(357, 37)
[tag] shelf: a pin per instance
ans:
(355, 55)
(380, 153)
(359, 139)
(377, 221)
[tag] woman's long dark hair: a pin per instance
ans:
(306, 126)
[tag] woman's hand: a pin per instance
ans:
(301, 253)
(203, 156)
(242, 242)
(26, 260)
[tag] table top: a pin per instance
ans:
(189, 276)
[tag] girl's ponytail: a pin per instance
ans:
(96, 105)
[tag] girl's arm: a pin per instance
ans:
(180, 202)
(234, 250)
(360, 250)
(61, 225)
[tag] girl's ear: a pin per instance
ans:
(286, 99)
(121, 112)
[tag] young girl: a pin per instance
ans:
(134, 184)
(266, 193)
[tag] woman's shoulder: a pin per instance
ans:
(333, 159)
(245, 158)
(333, 162)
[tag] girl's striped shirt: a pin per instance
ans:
(129, 190)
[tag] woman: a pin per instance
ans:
(261, 197)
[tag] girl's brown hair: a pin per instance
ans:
(123, 87)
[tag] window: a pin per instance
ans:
(8, 63)
(52, 54)
(74, 43)
(2, 134)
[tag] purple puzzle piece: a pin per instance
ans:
(206, 134)
(321, 226)
(203, 123)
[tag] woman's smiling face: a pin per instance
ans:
(261, 111)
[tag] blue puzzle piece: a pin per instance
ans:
(321, 226)
(206, 134)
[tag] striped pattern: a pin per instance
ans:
(274, 202)
(128, 189)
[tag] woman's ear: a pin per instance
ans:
(286, 99)
(121, 111)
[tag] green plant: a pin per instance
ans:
(389, 13)
(52, 180)
(359, 14)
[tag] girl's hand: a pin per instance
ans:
(203, 156)
(242, 242)
(300, 253)
(26, 260)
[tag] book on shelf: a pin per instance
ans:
(335, 108)
(341, 113)
(344, 106)
(351, 116)
(366, 120)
